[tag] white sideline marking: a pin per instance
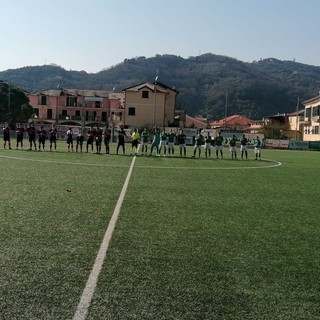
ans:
(87, 294)
(273, 165)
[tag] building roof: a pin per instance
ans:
(299, 112)
(74, 92)
(235, 120)
(312, 100)
(190, 121)
(158, 86)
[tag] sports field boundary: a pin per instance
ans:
(273, 164)
(87, 294)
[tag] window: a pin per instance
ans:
(71, 101)
(97, 104)
(131, 111)
(64, 112)
(104, 116)
(316, 111)
(43, 100)
(49, 113)
(316, 130)
(145, 94)
(77, 113)
(308, 112)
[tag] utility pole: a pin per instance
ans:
(297, 118)
(9, 99)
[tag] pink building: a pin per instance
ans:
(78, 107)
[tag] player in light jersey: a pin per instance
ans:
(257, 148)
(208, 145)
(163, 143)
(219, 147)
(233, 147)
(244, 147)
(144, 141)
(155, 141)
(171, 139)
(181, 139)
(199, 142)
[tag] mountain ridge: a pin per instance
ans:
(209, 85)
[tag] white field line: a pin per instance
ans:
(273, 164)
(87, 294)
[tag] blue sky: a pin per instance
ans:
(92, 35)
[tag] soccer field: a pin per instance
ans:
(192, 239)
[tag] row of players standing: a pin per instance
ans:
(161, 141)
(94, 137)
(166, 141)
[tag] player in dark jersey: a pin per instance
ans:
(98, 138)
(106, 139)
(19, 132)
(41, 138)
(121, 141)
(53, 137)
(6, 136)
(70, 139)
(79, 141)
(90, 137)
(32, 137)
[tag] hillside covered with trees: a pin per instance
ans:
(205, 82)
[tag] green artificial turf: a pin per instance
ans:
(195, 239)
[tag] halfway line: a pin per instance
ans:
(87, 294)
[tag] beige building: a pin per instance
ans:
(296, 124)
(150, 104)
(312, 119)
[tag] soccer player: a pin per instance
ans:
(219, 147)
(135, 139)
(233, 147)
(171, 139)
(20, 132)
(41, 138)
(6, 136)
(144, 141)
(257, 148)
(90, 137)
(181, 139)
(208, 145)
(79, 141)
(53, 137)
(156, 141)
(98, 138)
(163, 143)
(244, 147)
(121, 141)
(199, 142)
(106, 139)
(32, 137)
(70, 140)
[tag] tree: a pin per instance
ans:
(14, 104)
(275, 131)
